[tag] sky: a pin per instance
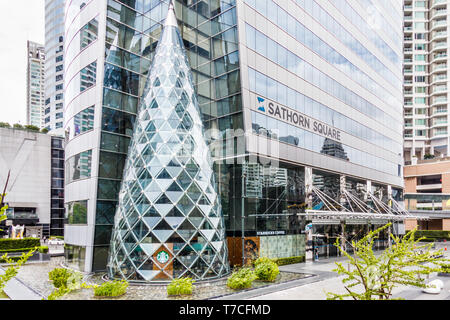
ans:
(20, 20)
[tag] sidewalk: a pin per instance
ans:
(18, 290)
(324, 280)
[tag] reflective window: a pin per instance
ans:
(76, 212)
(79, 166)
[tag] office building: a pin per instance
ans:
(35, 84)
(35, 198)
(54, 65)
(301, 103)
(425, 76)
(427, 193)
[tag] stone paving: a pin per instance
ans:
(35, 275)
(305, 281)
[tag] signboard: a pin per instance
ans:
(298, 119)
(270, 233)
(162, 257)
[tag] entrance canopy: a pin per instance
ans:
(352, 209)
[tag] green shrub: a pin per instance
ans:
(289, 260)
(446, 268)
(267, 270)
(31, 127)
(261, 260)
(43, 249)
(59, 276)
(8, 244)
(111, 289)
(241, 279)
(18, 250)
(432, 235)
(5, 125)
(180, 286)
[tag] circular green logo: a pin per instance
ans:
(162, 257)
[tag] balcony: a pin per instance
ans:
(429, 186)
(439, 89)
(436, 2)
(439, 66)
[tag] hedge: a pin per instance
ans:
(289, 260)
(41, 249)
(11, 244)
(432, 234)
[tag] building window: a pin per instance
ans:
(88, 33)
(79, 166)
(88, 76)
(83, 121)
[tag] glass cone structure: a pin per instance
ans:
(169, 222)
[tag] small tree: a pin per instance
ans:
(403, 263)
(5, 125)
(17, 126)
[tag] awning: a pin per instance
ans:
(354, 209)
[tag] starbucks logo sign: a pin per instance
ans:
(162, 257)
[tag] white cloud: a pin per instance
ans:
(20, 20)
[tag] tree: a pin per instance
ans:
(31, 127)
(44, 130)
(5, 125)
(17, 126)
(403, 263)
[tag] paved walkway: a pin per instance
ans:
(15, 289)
(324, 280)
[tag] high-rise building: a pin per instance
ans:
(425, 80)
(35, 84)
(299, 98)
(54, 65)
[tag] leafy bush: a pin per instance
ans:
(261, 260)
(65, 281)
(59, 276)
(241, 279)
(267, 270)
(43, 249)
(111, 289)
(31, 127)
(289, 260)
(180, 286)
(432, 234)
(8, 244)
(5, 125)
(58, 293)
(446, 268)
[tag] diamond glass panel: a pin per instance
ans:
(168, 197)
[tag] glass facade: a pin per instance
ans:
(57, 187)
(367, 84)
(169, 221)
(54, 63)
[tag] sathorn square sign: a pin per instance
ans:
(296, 118)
